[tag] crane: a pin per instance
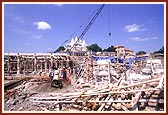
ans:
(88, 26)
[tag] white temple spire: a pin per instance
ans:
(80, 45)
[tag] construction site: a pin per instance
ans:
(95, 82)
(95, 85)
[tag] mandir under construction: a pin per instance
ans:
(97, 81)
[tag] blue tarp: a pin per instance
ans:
(129, 61)
(113, 59)
(140, 58)
(121, 60)
(96, 58)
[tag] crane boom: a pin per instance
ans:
(89, 25)
(91, 22)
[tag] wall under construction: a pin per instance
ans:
(34, 63)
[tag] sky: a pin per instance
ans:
(41, 28)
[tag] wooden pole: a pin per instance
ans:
(51, 61)
(106, 100)
(8, 65)
(97, 101)
(18, 64)
(35, 63)
(109, 74)
(136, 99)
(135, 84)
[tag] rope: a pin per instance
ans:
(109, 24)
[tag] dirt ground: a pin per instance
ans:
(19, 99)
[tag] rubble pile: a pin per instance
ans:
(95, 87)
(118, 97)
(18, 98)
(36, 95)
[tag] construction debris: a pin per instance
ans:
(94, 87)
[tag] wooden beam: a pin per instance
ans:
(101, 107)
(136, 99)
(136, 84)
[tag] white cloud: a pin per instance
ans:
(152, 20)
(138, 39)
(21, 31)
(27, 33)
(42, 25)
(154, 38)
(37, 36)
(134, 28)
(18, 19)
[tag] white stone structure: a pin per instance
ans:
(80, 45)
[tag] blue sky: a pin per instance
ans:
(45, 27)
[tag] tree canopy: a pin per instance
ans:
(161, 50)
(94, 48)
(140, 53)
(61, 48)
(110, 49)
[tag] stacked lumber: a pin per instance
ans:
(113, 97)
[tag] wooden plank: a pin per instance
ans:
(152, 100)
(124, 108)
(90, 101)
(136, 99)
(70, 95)
(101, 107)
(136, 84)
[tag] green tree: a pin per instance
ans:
(161, 50)
(61, 48)
(140, 53)
(110, 49)
(94, 48)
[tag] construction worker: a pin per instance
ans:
(55, 78)
(64, 72)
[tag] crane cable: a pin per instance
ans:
(108, 18)
(89, 25)
(83, 23)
